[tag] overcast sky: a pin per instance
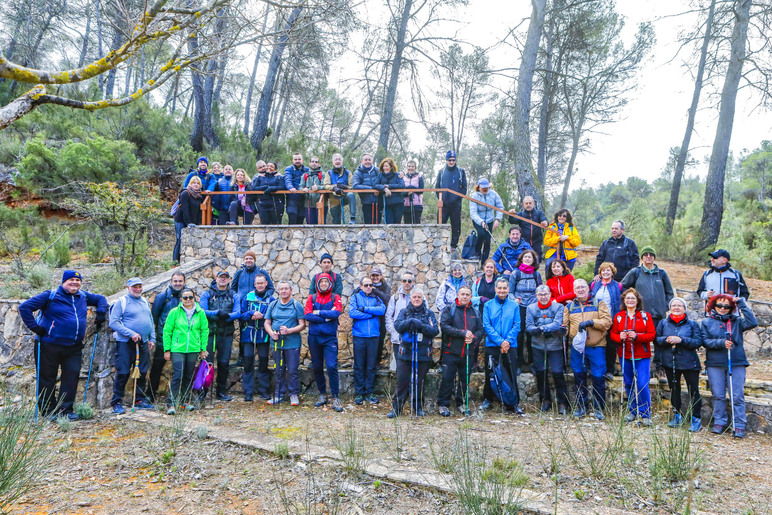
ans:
(655, 117)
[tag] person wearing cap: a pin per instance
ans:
(653, 285)
(365, 308)
(322, 311)
(678, 339)
(60, 328)
(222, 307)
(337, 280)
(721, 278)
(339, 180)
(132, 320)
(243, 283)
(484, 219)
(533, 234)
(619, 250)
(451, 177)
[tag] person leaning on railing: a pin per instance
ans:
(310, 182)
(339, 180)
(188, 213)
(414, 202)
(388, 179)
(240, 205)
(270, 205)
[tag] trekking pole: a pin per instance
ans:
(729, 362)
(546, 383)
(635, 379)
(135, 375)
(467, 380)
(90, 364)
(37, 383)
(413, 374)
(496, 380)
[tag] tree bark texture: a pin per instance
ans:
(251, 88)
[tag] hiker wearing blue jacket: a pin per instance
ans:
(501, 320)
(221, 306)
(365, 309)
(222, 203)
(508, 252)
(244, 281)
(366, 177)
(202, 172)
(322, 311)
(255, 340)
(132, 321)
(296, 211)
(60, 329)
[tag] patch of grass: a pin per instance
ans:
(281, 450)
(107, 282)
(39, 277)
(506, 472)
(201, 432)
(352, 449)
(64, 423)
(445, 460)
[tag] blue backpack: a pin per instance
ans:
(467, 251)
(503, 385)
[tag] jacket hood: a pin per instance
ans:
(321, 276)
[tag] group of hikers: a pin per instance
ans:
(521, 322)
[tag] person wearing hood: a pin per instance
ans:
(270, 205)
(448, 290)
(678, 339)
(254, 340)
(339, 179)
(393, 203)
(60, 328)
(222, 307)
(484, 219)
(312, 181)
(544, 322)
(722, 336)
(337, 280)
(366, 177)
(293, 175)
(322, 311)
(397, 303)
(188, 213)
(202, 172)
(414, 202)
(451, 177)
(132, 320)
(244, 280)
(417, 327)
(365, 308)
(508, 252)
(462, 328)
(185, 337)
(722, 278)
(163, 303)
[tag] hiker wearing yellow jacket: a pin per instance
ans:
(186, 333)
(561, 244)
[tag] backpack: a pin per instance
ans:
(39, 316)
(503, 385)
(122, 302)
(175, 207)
(467, 251)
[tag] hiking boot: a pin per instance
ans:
(359, 400)
(579, 412)
(444, 411)
(248, 397)
(629, 417)
(171, 411)
(373, 399)
(189, 407)
(321, 402)
(118, 409)
(421, 412)
(562, 409)
(73, 417)
(143, 404)
(486, 405)
(661, 376)
(337, 405)
(224, 397)
(696, 425)
(608, 376)
(392, 414)
(739, 432)
(599, 415)
(646, 422)
(676, 420)
(718, 429)
(546, 406)
(294, 401)
(274, 402)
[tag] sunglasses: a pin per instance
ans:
(723, 306)
(407, 280)
(188, 297)
(367, 285)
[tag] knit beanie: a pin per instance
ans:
(69, 274)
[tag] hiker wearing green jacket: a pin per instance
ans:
(186, 334)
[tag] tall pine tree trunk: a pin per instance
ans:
(251, 88)
(544, 112)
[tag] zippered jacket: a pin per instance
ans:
(714, 334)
(254, 330)
(545, 326)
(455, 323)
(63, 316)
(183, 336)
(429, 328)
(364, 310)
(682, 356)
(643, 325)
(501, 322)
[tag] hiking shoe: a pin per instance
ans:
(359, 400)
(337, 405)
(646, 422)
(486, 405)
(739, 432)
(608, 376)
(171, 411)
(696, 425)
(579, 412)
(73, 417)
(661, 376)
(444, 411)
(248, 397)
(676, 420)
(630, 417)
(562, 408)
(517, 410)
(321, 402)
(143, 404)
(264, 396)
(224, 397)
(373, 399)
(599, 415)
(718, 429)
(274, 402)
(392, 414)
(421, 412)
(546, 406)
(294, 401)
(118, 409)
(352, 221)
(189, 407)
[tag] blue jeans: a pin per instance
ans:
(125, 358)
(595, 357)
(324, 350)
(339, 210)
(392, 213)
(183, 368)
(365, 361)
(640, 404)
(178, 232)
(719, 384)
(286, 376)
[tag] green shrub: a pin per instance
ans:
(84, 411)
(95, 249)
(40, 277)
(59, 254)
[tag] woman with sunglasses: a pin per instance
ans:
(561, 244)
(722, 336)
(186, 334)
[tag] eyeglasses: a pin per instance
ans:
(723, 306)
(367, 285)
(407, 281)
(563, 215)
(188, 297)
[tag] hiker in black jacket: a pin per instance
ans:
(620, 250)
(453, 178)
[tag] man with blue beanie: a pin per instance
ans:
(202, 171)
(453, 178)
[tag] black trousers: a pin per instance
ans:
(261, 350)
(453, 367)
(412, 214)
(508, 360)
(404, 371)
(235, 210)
(156, 369)
(125, 358)
(483, 246)
(524, 351)
(546, 363)
(269, 215)
(452, 212)
(692, 378)
(381, 339)
(296, 211)
(53, 357)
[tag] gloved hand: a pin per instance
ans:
(586, 324)
(537, 331)
(190, 226)
(415, 325)
(337, 191)
(40, 330)
(483, 300)
(223, 315)
(101, 316)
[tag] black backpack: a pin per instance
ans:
(467, 251)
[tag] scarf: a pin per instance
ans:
(543, 306)
(500, 300)
(528, 269)
(677, 318)
(457, 282)
(193, 193)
